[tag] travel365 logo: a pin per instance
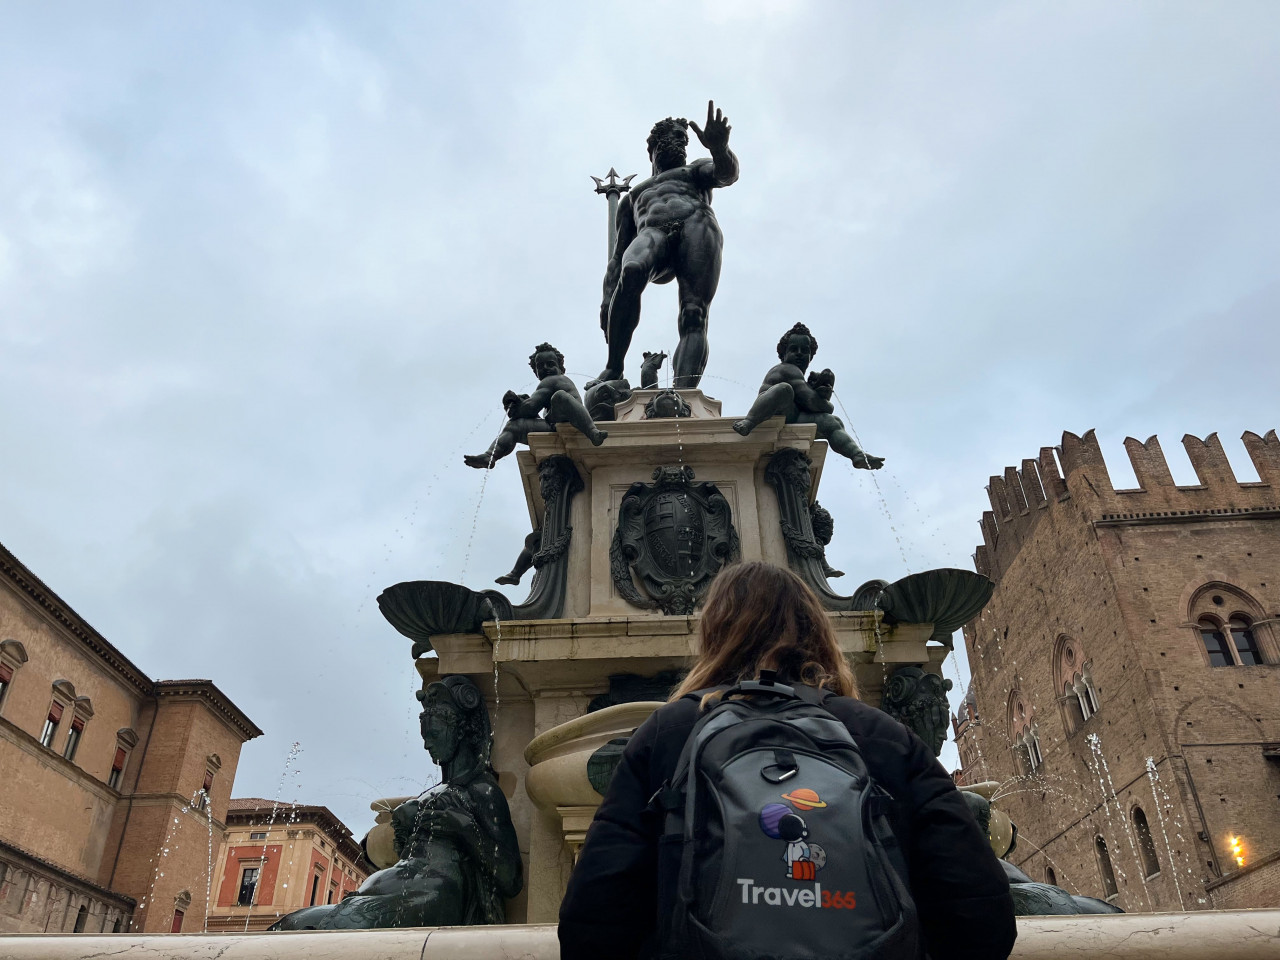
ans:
(779, 821)
(804, 858)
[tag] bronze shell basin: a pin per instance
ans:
(421, 609)
(948, 598)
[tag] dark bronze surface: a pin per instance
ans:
(459, 859)
(675, 535)
(555, 394)
(666, 231)
(786, 393)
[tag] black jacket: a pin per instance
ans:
(966, 912)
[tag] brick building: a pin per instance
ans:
(1126, 674)
(277, 858)
(113, 786)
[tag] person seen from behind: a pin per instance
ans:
(819, 861)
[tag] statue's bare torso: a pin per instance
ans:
(667, 207)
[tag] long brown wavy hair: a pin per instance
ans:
(761, 617)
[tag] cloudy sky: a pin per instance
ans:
(266, 270)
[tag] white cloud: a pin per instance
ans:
(271, 269)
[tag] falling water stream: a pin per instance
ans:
(294, 750)
(1108, 789)
(1164, 802)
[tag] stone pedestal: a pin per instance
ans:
(539, 676)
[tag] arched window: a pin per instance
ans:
(1215, 643)
(1109, 888)
(1050, 877)
(81, 916)
(1231, 627)
(1024, 736)
(1246, 644)
(1146, 845)
(1032, 740)
(1071, 676)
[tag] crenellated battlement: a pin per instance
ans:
(1077, 471)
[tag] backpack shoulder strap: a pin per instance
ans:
(814, 695)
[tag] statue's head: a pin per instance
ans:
(824, 526)
(454, 715)
(667, 142)
(919, 701)
(797, 346)
(546, 361)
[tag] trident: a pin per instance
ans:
(613, 189)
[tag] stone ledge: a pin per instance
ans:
(1206, 935)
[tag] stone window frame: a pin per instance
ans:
(258, 864)
(181, 906)
(81, 714)
(126, 740)
(1148, 856)
(63, 696)
(12, 656)
(1106, 869)
(1024, 734)
(1220, 602)
(201, 799)
(1077, 694)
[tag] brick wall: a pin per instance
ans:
(1125, 574)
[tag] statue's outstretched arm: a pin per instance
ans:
(625, 232)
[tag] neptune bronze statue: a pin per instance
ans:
(459, 859)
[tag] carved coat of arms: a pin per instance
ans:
(675, 535)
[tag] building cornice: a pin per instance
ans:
(38, 592)
(1185, 516)
(215, 699)
(320, 816)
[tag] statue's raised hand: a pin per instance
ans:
(716, 135)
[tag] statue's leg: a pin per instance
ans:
(513, 432)
(638, 262)
(698, 274)
(566, 408)
(524, 561)
(831, 429)
(775, 401)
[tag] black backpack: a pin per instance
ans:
(776, 844)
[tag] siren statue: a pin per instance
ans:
(666, 231)
(459, 858)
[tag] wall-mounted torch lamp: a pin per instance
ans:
(1237, 850)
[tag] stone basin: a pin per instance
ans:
(557, 781)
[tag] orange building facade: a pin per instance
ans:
(277, 858)
(113, 786)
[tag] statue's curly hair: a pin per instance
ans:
(473, 717)
(544, 348)
(798, 330)
(677, 127)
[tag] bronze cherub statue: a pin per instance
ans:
(555, 393)
(786, 392)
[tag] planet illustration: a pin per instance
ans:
(769, 817)
(818, 855)
(804, 799)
